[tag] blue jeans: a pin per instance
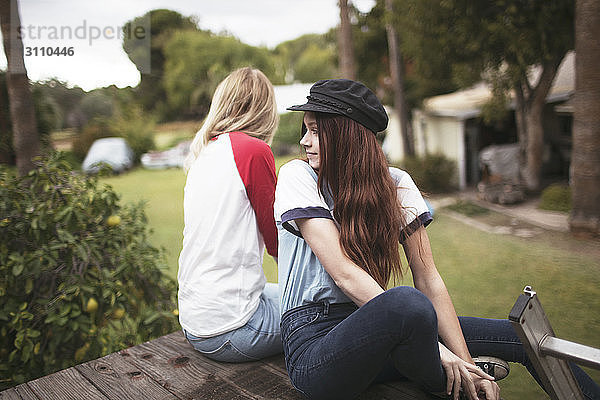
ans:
(335, 351)
(260, 337)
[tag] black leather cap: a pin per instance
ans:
(349, 98)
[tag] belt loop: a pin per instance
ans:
(326, 308)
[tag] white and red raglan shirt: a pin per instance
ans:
(228, 215)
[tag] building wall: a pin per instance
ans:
(392, 144)
(441, 135)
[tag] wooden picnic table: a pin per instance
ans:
(169, 368)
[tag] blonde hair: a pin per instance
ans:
(244, 101)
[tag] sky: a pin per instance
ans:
(84, 31)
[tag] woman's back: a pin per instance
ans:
(220, 266)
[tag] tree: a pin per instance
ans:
(25, 135)
(307, 58)
(397, 76)
(315, 63)
(371, 50)
(6, 149)
(425, 73)
(163, 24)
(67, 98)
(195, 63)
(585, 160)
(346, 51)
(503, 39)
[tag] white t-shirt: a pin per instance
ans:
(228, 215)
(302, 278)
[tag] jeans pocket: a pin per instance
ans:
(226, 352)
(299, 322)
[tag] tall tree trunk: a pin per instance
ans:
(26, 140)
(521, 123)
(585, 159)
(346, 49)
(531, 116)
(534, 149)
(6, 149)
(397, 75)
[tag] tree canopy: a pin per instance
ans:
(499, 40)
(197, 61)
(307, 58)
(163, 24)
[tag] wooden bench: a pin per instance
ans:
(169, 368)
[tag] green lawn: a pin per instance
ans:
(484, 273)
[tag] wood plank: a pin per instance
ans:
(409, 390)
(382, 392)
(185, 377)
(25, 392)
(254, 378)
(65, 384)
(169, 368)
(395, 390)
(22, 391)
(19, 392)
(276, 363)
(118, 379)
(9, 394)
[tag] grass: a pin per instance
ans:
(468, 209)
(484, 273)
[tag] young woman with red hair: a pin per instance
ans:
(341, 215)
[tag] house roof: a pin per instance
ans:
(462, 104)
(467, 103)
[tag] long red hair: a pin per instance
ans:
(354, 169)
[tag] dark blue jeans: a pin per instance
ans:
(335, 351)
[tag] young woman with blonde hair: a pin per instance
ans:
(341, 215)
(226, 309)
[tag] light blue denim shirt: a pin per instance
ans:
(302, 278)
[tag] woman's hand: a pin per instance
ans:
(487, 388)
(463, 374)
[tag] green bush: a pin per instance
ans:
(556, 197)
(78, 276)
(288, 135)
(137, 129)
(129, 122)
(433, 173)
(94, 130)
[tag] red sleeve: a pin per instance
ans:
(256, 166)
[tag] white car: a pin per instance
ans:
(172, 158)
(113, 152)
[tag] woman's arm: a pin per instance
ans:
(429, 282)
(323, 237)
(460, 372)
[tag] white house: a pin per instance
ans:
(449, 125)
